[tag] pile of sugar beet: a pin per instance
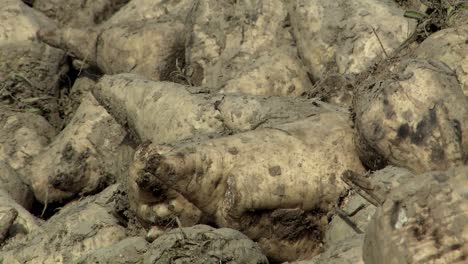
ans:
(234, 131)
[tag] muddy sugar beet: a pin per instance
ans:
(249, 182)
(413, 115)
(73, 164)
(244, 47)
(79, 228)
(183, 112)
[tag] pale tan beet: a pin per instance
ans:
(81, 159)
(79, 228)
(149, 48)
(22, 136)
(424, 220)
(413, 115)
(338, 36)
(178, 113)
(143, 37)
(243, 46)
(451, 47)
(248, 182)
(79, 13)
(184, 113)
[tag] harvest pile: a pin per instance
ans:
(220, 131)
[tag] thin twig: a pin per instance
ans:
(26, 80)
(406, 43)
(363, 187)
(180, 228)
(46, 202)
(343, 215)
(82, 64)
(357, 210)
(381, 44)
